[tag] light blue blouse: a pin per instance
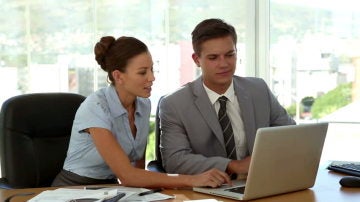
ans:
(103, 109)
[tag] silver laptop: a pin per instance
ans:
(284, 159)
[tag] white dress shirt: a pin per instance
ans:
(233, 111)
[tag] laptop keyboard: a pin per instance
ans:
(350, 168)
(236, 190)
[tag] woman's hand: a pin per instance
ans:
(210, 178)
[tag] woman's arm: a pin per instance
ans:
(140, 163)
(119, 163)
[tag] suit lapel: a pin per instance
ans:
(206, 109)
(246, 108)
(202, 102)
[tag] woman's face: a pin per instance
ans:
(138, 76)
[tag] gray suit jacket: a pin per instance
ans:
(191, 140)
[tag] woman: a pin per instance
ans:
(110, 129)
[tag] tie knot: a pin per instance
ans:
(222, 99)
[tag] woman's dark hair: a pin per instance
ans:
(211, 29)
(113, 54)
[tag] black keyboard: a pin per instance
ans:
(347, 167)
(236, 189)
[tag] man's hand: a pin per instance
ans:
(239, 166)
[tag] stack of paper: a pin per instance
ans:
(70, 194)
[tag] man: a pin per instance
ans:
(192, 138)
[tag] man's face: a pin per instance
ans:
(217, 61)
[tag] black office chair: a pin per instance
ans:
(156, 165)
(34, 136)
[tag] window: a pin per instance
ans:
(307, 51)
(48, 45)
(314, 67)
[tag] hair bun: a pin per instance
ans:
(101, 49)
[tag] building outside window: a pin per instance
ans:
(314, 59)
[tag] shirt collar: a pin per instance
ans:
(116, 108)
(213, 96)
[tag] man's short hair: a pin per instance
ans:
(211, 29)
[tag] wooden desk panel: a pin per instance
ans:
(326, 189)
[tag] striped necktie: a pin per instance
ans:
(227, 129)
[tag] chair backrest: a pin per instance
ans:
(156, 165)
(34, 135)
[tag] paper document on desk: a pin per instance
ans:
(135, 197)
(68, 194)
